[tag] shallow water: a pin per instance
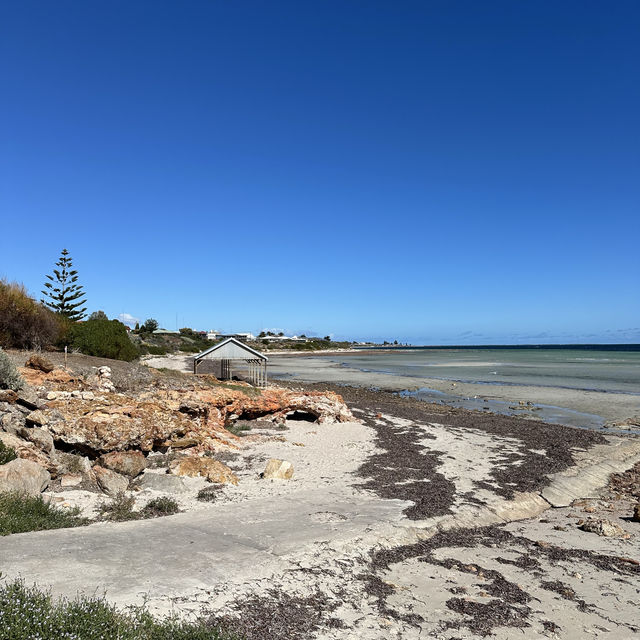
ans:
(586, 369)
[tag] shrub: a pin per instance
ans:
(210, 493)
(28, 612)
(7, 454)
(20, 513)
(104, 339)
(160, 507)
(9, 376)
(120, 509)
(25, 323)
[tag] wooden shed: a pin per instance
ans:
(231, 349)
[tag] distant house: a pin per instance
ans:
(283, 339)
(242, 336)
(162, 332)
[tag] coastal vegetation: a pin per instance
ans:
(102, 338)
(9, 376)
(28, 612)
(20, 513)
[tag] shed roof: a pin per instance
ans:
(231, 349)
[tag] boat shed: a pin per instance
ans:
(231, 349)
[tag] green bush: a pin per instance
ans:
(104, 339)
(120, 509)
(7, 454)
(27, 613)
(9, 376)
(160, 507)
(20, 513)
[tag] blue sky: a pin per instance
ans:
(433, 171)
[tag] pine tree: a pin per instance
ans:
(64, 295)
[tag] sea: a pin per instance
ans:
(603, 368)
(608, 368)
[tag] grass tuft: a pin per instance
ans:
(160, 507)
(20, 513)
(7, 454)
(28, 612)
(120, 509)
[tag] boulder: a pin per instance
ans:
(604, 527)
(278, 469)
(28, 398)
(40, 363)
(26, 450)
(212, 470)
(41, 438)
(70, 481)
(37, 418)
(12, 421)
(128, 463)
(8, 395)
(164, 482)
(636, 513)
(23, 476)
(110, 482)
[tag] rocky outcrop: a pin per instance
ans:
(24, 476)
(109, 481)
(126, 463)
(212, 470)
(27, 450)
(278, 469)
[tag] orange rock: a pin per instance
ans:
(212, 470)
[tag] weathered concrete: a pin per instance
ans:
(175, 555)
(592, 471)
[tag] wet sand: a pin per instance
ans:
(574, 407)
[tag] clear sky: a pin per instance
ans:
(436, 171)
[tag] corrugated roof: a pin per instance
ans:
(232, 349)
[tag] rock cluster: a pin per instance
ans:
(82, 433)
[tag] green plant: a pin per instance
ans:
(149, 326)
(209, 493)
(63, 293)
(20, 513)
(9, 376)
(156, 351)
(120, 509)
(104, 339)
(239, 428)
(160, 507)
(7, 454)
(28, 612)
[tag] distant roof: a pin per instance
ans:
(232, 349)
(165, 331)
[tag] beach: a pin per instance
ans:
(407, 519)
(560, 403)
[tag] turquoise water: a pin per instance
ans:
(587, 369)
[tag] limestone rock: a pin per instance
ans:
(128, 463)
(28, 398)
(26, 450)
(41, 438)
(604, 527)
(636, 513)
(164, 482)
(278, 469)
(23, 476)
(37, 418)
(70, 480)
(110, 482)
(40, 363)
(212, 470)
(116, 423)
(12, 421)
